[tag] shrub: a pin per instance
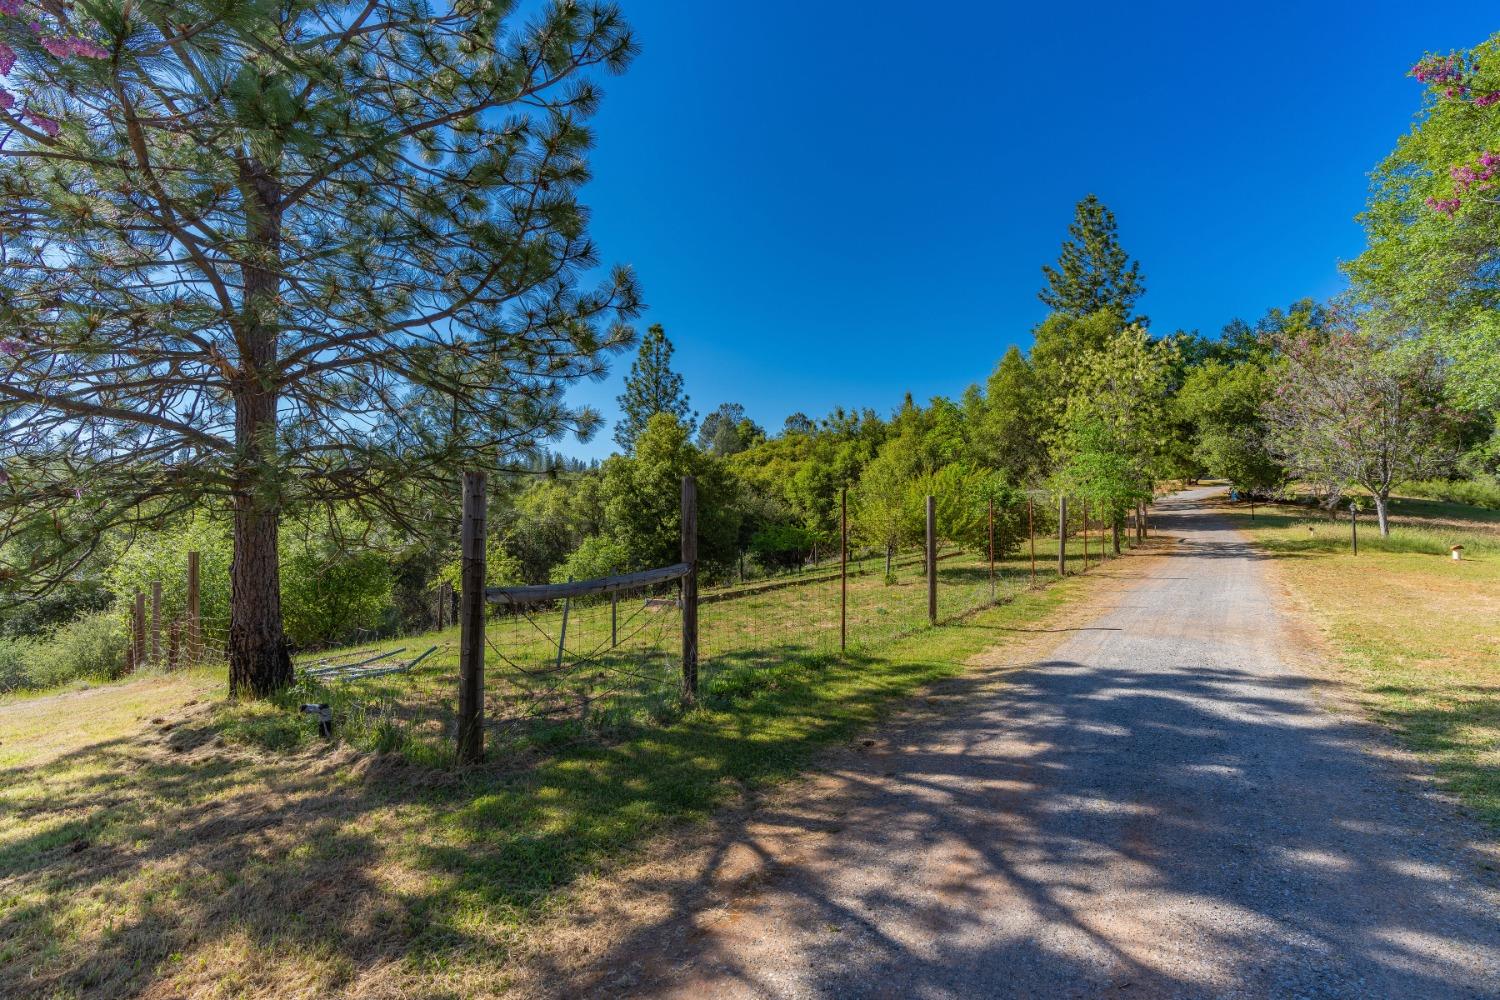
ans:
(1474, 492)
(16, 656)
(92, 646)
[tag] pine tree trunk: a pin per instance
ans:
(259, 660)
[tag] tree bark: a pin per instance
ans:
(1381, 502)
(259, 661)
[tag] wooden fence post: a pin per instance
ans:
(471, 623)
(194, 613)
(992, 548)
(1085, 535)
(690, 590)
(138, 631)
(1062, 536)
(156, 623)
(931, 560)
(1031, 536)
(844, 570)
(614, 619)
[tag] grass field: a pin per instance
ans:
(1419, 633)
(154, 840)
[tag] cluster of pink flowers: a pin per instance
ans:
(58, 46)
(65, 46)
(10, 347)
(1441, 69)
(1447, 206)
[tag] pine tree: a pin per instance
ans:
(270, 255)
(1093, 272)
(652, 387)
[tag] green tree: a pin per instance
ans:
(1433, 222)
(643, 498)
(652, 387)
(280, 254)
(1222, 403)
(1005, 430)
(1093, 271)
(1114, 429)
(727, 431)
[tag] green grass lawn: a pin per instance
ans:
(1419, 633)
(154, 839)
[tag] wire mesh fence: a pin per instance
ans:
(606, 662)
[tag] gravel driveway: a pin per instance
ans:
(1165, 806)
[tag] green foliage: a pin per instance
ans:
(643, 498)
(1474, 492)
(1005, 426)
(1222, 402)
(651, 388)
(1434, 240)
(727, 431)
(1093, 272)
(90, 647)
(161, 556)
(1114, 428)
(782, 546)
(596, 556)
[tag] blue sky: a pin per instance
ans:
(837, 203)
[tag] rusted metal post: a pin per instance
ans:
(931, 560)
(690, 590)
(1031, 537)
(844, 569)
(156, 623)
(1062, 536)
(471, 622)
(194, 614)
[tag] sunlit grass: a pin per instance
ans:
(154, 839)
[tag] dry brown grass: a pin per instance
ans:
(1418, 633)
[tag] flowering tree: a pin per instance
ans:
(275, 255)
(1433, 221)
(1347, 411)
(1115, 426)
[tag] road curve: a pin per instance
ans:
(1166, 806)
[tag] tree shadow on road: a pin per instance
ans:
(1253, 840)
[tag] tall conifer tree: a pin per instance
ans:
(1093, 272)
(262, 255)
(652, 387)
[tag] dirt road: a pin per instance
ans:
(1165, 806)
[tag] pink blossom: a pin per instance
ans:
(7, 58)
(58, 48)
(1485, 100)
(11, 7)
(42, 122)
(78, 493)
(7, 99)
(87, 48)
(1447, 206)
(10, 346)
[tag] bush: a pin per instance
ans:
(16, 657)
(92, 646)
(1474, 492)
